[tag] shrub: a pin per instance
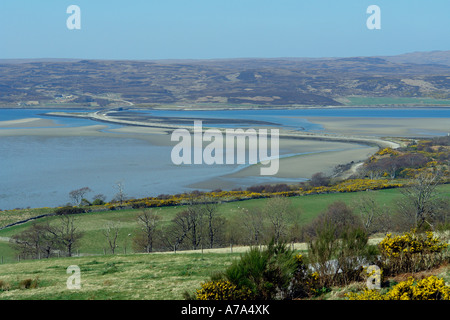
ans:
(4, 286)
(69, 210)
(339, 260)
(352, 252)
(319, 180)
(430, 288)
(222, 290)
(110, 268)
(98, 202)
(305, 283)
(266, 272)
(29, 284)
(321, 250)
(411, 252)
(339, 216)
(260, 274)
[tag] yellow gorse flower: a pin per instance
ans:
(222, 290)
(430, 288)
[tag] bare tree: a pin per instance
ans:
(120, 195)
(319, 179)
(77, 195)
(195, 218)
(34, 242)
(253, 221)
(66, 233)
(373, 169)
(41, 240)
(279, 213)
(148, 222)
(375, 218)
(420, 199)
(187, 225)
(177, 231)
(214, 222)
(111, 233)
(98, 199)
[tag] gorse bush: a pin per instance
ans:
(272, 273)
(338, 245)
(259, 274)
(411, 252)
(339, 261)
(267, 273)
(222, 290)
(430, 288)
(353, 251)
(305, 283)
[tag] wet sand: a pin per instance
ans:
(295, 168)
(384, 127)
(28, 123)
(344, 140)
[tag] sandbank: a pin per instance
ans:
(384, 127)
(28, 123)
(294, 168)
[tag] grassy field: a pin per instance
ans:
(92, 224)
(156, 276)
(113, 277)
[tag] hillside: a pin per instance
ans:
(227, 82)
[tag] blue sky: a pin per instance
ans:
(198, 29)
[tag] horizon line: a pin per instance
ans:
(217, 58)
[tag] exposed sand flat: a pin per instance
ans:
(304, 166)
(156, 136)
(55, 132)
(344, 140)
(28, 123)
(141, 130)
(383, 127)
(346, 148)
(295, 167)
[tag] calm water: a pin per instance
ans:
(41, 171)
(284, 117)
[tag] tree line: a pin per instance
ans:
(201, 223)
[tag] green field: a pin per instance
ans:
(155, 276)
(119, 277)
(93, 241)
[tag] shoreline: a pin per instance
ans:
(301, 153)
(103, 116)
(242, 107)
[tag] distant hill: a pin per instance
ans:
(230, 82)
(433, 57)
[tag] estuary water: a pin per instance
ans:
(40, 171)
